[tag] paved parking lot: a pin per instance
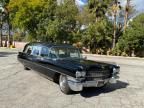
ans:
(27, 89)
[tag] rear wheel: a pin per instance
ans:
(26, 68)
(63, 84)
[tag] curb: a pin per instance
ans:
(9, 49)
(118, 57)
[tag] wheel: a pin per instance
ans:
(26, 68)
(63, 84)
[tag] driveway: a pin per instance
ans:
(27, 89)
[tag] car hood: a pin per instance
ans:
(81, 64)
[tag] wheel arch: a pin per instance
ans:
(56, 77)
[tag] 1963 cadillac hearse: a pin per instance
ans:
(64, 64)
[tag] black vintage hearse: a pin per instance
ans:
(64, 64)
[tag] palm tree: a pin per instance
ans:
(127, 8)
(115, 8)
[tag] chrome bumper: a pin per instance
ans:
(77, 85)
(98, 83)
(74, 84)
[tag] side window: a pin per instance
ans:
(53, 54)
(28, 49)
(44, 52)
(74, 53)
(62, 52)
(36, 50)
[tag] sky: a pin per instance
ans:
(81, 3)
(138, 4)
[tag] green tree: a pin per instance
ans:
(132, 40)
(4, 2)
(5, 19)
(62, 26)
(115, 10)
(27, 15)
(44, 20)
(98, 30)
(99, 36)
(98, 8)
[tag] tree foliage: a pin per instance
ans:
(99, 35)
(4, 2)
(133, 38)
(28, 14)
(44, 20)
(99, 7)
(98, 30)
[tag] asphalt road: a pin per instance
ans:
(27, 89)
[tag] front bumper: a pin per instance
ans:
(77, 85)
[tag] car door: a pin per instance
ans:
(45, 64)
(54, 64)
(26, 56)
(31, 55)
(35, 57)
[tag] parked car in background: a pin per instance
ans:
(65, 65)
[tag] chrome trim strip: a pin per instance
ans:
(42, 66)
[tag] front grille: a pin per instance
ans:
(100, 74)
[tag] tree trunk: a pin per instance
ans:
(114, 23)
(125, 20)
(114, 33)
(1, 39)
(9, 40)
(5, 44)
(1, 44)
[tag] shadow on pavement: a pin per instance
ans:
(5, 54)
(90, 92)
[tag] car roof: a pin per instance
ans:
(50, 44)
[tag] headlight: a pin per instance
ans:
(116, 70)
(80, 74)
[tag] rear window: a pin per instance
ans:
(28, 49)
(32, 50)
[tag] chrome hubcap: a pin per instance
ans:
(62, 82)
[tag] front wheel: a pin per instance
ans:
(63, 84)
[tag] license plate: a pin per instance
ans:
(100, 83)
(94, 83)
(91, 83)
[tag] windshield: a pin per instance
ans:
(63, 53)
